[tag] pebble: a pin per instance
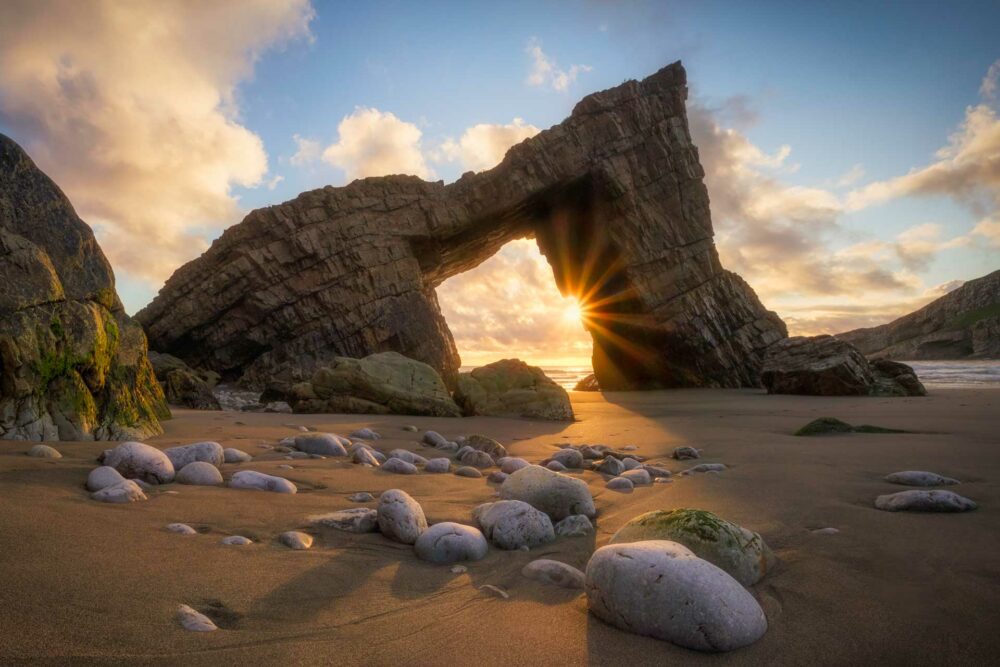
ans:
(920, 478)
(494, 591)
(924, 501)
(611, 466)
(199, 473)
(365, 456)
(438, 465)
(103, 477)
(209, 452)
(510, 465)
(181, 529)
(685, 453)
(705, 467)
(496, 477)
(327, 444)
(449, 542)
(458, 569)
(365, 434)
(251, 479)
(300, 455)
(554, 572)
(410, 428)
(434, 439)
(638, 476)
(351, 520)
(285, 466)
(400, 517)
(825, 531)
(468, 471)
(483, 444)
(237, 540)
(477, 459)
(630, 463)
(576, 525)
(44, 452)
(399, 467)
(513, 524)
(231, 455)
(193, 620)
(125, 491)
(629, 448)
(135, 459)
(294, 539)
(620, 484)
(361, 497)
(555, 466)
(656, 472)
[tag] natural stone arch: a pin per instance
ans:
(613, 195)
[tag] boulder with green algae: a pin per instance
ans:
(512, 388)
(72, 364)
(740, 552)
(831, 425)
(184, 385)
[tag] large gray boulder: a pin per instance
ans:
(135, 460)
(199, 473)
(251, 479)
(512, 388)
(512, 524)
(449, 542)
(400, 517)
(323, 444)
(556, 494)
(919, 500)
(661, 589)
(209, 452)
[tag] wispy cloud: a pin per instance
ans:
(484, 145)
(545, 72)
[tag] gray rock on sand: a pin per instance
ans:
(408, 456)
(825, 531)
(138, 460)
(44, 452)
(512, 464)
(365, 456)
(477, 459)
(232, 455)
(351, 520)
(705, 467)
(620, 484)
(449, 542)
(916, 500)
(661, 589)
(236, 541)
(399, 467)
(638, 476)
(630, 463)
(181, 529)
(569, 457)
(361, 497)
(576, 525)
(513, 524)
(194, 621)
(434, 439)
(611, 466)
(555, 466)
(556, 494)
(296, 540)
(685, 453)
(125, 491)
(410, 428)
(327, 444)
(468, 471)
(438, 465)
(251, 479)
(554, 572)
(209, 452)
(483, 444)
(400, 517)
(365, 434)
(497, 477)
(919, 478)
(199, 473)
(740, 552)
(103, 477)
(462, 451)
(656, 472)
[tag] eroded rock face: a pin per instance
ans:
(512, 388)
(72, 363)
(182, 385)
(613, 195)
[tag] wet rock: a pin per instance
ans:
(685, 453)
(103, 477)
(251, 479)
(637, 476)
(496, 477)
(919, 478)
(513, 464)
(236, 541)
(400, 517)
(438, 465)
(449, 542)
(210, 452)
(365, 434)
(569, 457)
(231, 455)
(556, 494)
(399, 467)
(924, 501)
(513, 524)
(296, 540)
(620, 484)
(468, 471)
(576, 525)
(326, 444)
(352, 520)
(477, 459)
(181, 529)
(554, 572)
(199, 473)
(365, 456)
(136, 460)
(194, 621)
(361, 497)
(740, 552)
(660, 589)
(44, 452)
(126, 491)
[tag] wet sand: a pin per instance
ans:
(100, 583)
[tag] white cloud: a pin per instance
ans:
(377, 143)
(851, 176)
(306, 151)
(989, 230)
(483, 146)
(131, 108)
(991, 82)
(273, 183)
(545, 72)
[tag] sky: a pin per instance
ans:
(851, 149)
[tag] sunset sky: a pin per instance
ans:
(852, 150)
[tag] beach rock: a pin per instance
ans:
(352, 520)
(199, 473)
(361, 497)
(468, 471)
(740, 552)
(512, 524)
(554, 572)
(231, 455)
(576, 525)
(194, 621)
(661, 589)
(434, 439)
(496, 477)
(924, 501)
(825, 531)
(589, 383)
(705, 467)
(638, 476)
(449, 542)
(512, 388)
(181, 529)
(103, 477)
(186, 387)
(630, 463)
(400, 517)
(833, 426)
(236, 541)
(210, 452)
(458, 569)
(590, 453)
(125, 491)
(477, 459)
(513, 464)
(438, 465)
(399, 467)
(555, 466)
(136, 460)
(483, 444)
(656, 472)
(685, 453)
(494, 591)
(569, 457)
(611, 466)
(44, 452)
(556, 494)
(408, 456)
(365, 434)
(465, 449)
(620, 484)
(365, 456)
(410, 428)
(919, 478)
(251, 479)
(325, 444)
(294, 539)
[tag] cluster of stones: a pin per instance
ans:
(924, 499)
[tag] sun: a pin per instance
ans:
(573, 313)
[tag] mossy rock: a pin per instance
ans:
(740, 552)
(830, 426)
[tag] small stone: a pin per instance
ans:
(510, 465)
(138, 460)
(638, 476)
(125, 491)
(555, 494)
(103, 477)
(512, 524)
(449, 542)
(327, 444)
(629, 448)
(208, 452)
(237, 540)
(483, 444)
(611, 466)
(920, 478)
(300, 455)
(351, 520)
(685, 453)
(199, 473)
(924, 501)
(468, 471)
(410, 428)
(434, 439)
(496, 477)
(657, 472)
(193, 620)
(449, 447)
(285, 466)
(620, 484)
(400, 517)
(463, 451)
(438, 465)
(296, 540)
(365, 456)
(44, 452)
(576, 525)
(590, 453)
(399, 467)
(181, 529)
(477, 459)
(630, 463)
(555, 466)
(365, 434)
(554, 572)
(458, 569)
(825, 531)
(490, 589)
(146, 486)
(408, 456)
(705, 467)
(361, 497)
(251, 479)
(231, 455)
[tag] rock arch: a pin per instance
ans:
(613, 195)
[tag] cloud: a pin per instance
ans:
(851, 176)
(132, 109)
(273, 183)
(483, 146)
(545, 72)
(989, 87)
(377, 143)
(306, 151)
(989, 230)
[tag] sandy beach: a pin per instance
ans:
(99, 583)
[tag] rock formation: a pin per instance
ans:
(512, 388)
(613, 196)
(183, 385)
(963, 324)
(72, 364)
(588, 383)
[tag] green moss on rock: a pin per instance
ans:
(830, 425)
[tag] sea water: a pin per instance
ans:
(963, 373)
